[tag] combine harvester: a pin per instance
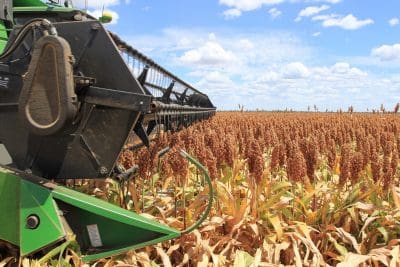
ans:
(71, 93)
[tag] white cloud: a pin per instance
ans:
(184, 46)
(216, 80)
(327, 1)
(311, 11)
(394, 22)
(98, 4)
(184, 42)
(298, 85)
(348, 22)
(268, 70)
(341, 67)
(345, 68)
(248, 5)
(295, 70)
(325, 17)
(212, 36)
(274, 12)
(245, 44)
(211, 53)
(269, 76)
(316, 34)
(99, 12)
(232, 13)
(387, 52)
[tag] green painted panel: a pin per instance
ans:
(17, 3)
(106, 229)
(9, 218)
(37, 200)
(43, 9)
(102, 229)
(106, 254)
(107, 210)
(3, 36)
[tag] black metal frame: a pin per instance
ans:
(118, 89)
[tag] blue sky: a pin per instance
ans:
(271, 54)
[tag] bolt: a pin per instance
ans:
(103, 170)
(32, 222)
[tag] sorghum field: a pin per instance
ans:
(299, 189)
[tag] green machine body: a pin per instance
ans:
(39, 214)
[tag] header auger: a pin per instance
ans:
(71, 93)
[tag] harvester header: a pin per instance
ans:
(71, 94)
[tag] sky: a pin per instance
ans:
(271, 54)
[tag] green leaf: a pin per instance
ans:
(276, 223)
(280, 185)
(341, 249)
(353, 215)
(155, 178)
(58, 250)
(385, 233)
(272, 200)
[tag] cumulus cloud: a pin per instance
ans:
(316, 34)
(394, 22)
(247, 5)
(295, 70)
(387, 52)
(232, 13)
(211, 53)
(345, 68)
(269, 76)
(329, 1)
(268, 70)
(341, 67)
(348, 22)
(311, 11)
(298, 84)
(274, 12)
(235, 52)
(98, 4)
(245, 44)
(216, 80)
